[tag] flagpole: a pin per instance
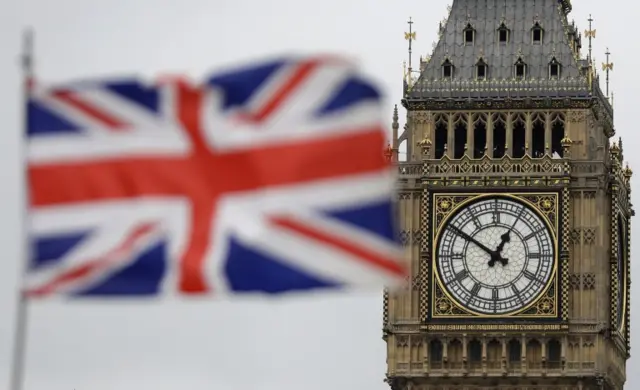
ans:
(21, 320)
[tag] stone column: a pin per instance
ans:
(464, 351)
(450, 136)
(523, 353)
(547, 134)
(528, 138)
(470, 136)
(509, 147)
(490, 134)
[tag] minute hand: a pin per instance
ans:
(469, 238)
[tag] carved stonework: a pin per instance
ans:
(422, 117)
(576, 116)
(589, 281)
(589, 235)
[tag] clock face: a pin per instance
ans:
(495, 256)
(621, 271)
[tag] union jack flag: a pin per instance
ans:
(269, 178)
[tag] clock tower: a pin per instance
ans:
(514, 207)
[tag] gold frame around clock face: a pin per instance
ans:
(444, 206)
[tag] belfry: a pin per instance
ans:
(514, 203)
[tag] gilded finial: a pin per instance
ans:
(628, 172)
(615, 149)
(425, 145)
(591, 34)
(409, 36)
(424, 142)
(566, 146)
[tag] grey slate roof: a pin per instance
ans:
(519, 16)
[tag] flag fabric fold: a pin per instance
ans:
(267, 179)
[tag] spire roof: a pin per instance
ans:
(558, 43)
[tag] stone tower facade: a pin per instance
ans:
(514, 208)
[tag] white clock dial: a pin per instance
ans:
(495, 256)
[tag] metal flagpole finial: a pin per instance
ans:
(607, 67)
(410, 36)
(591, 34)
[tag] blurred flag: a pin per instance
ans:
(270, 178)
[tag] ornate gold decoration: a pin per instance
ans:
(443, 305)
(495, 327)
(425, 253)
(564, 249)
(411, 35)
(547, 204)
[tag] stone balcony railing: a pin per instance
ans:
(505, 167)
(493, 368)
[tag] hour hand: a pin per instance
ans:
(473, 240)
(505, 238)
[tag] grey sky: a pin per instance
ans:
(321, 342)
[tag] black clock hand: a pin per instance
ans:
(473, 240)
(506, 237)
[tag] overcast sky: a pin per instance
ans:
(316, 343)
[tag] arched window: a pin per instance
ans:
(537, 33)
(554, 68)
(469, 34)
(514, 350)
(499, 135)
(454, 354)
(534, 355)
(520, 69)
(503, 34)
(518, 146)
(442, 132)
(557, 134)
(479, 135)
(435, 354)
(554, 352)
(494, 353)
(460, 135)
(482, 69)
(537, 135)
(447, 69)
(475, 354)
